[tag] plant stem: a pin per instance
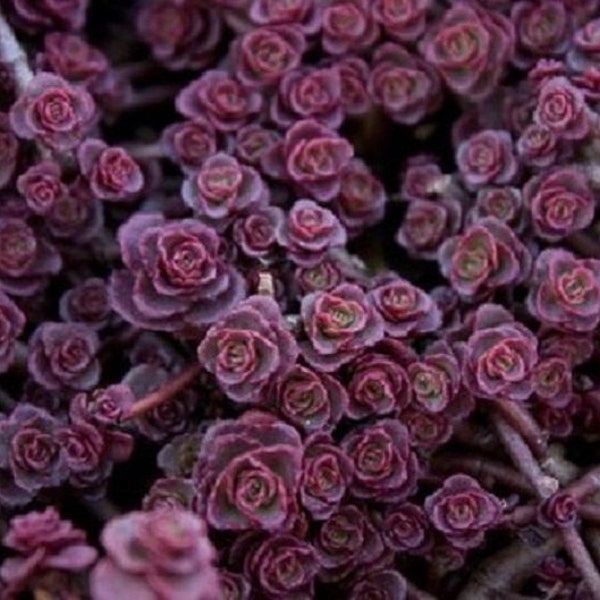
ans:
(524, 460)
(585, 485)
(520, 419)
(590, 512)
(482, 467)
(27, 571)
(163, 394)
(508, 569)
(582, 560)
(592, 537)
(556, 465)
(545, 486)
(521, 515)
(12, 53)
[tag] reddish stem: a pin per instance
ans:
(163, 394)
(587, 484)
(521, 515)
(26, 573)
(590, 512)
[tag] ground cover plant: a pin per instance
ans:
(299, 299)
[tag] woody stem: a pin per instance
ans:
(163, 394)
(545, 486)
